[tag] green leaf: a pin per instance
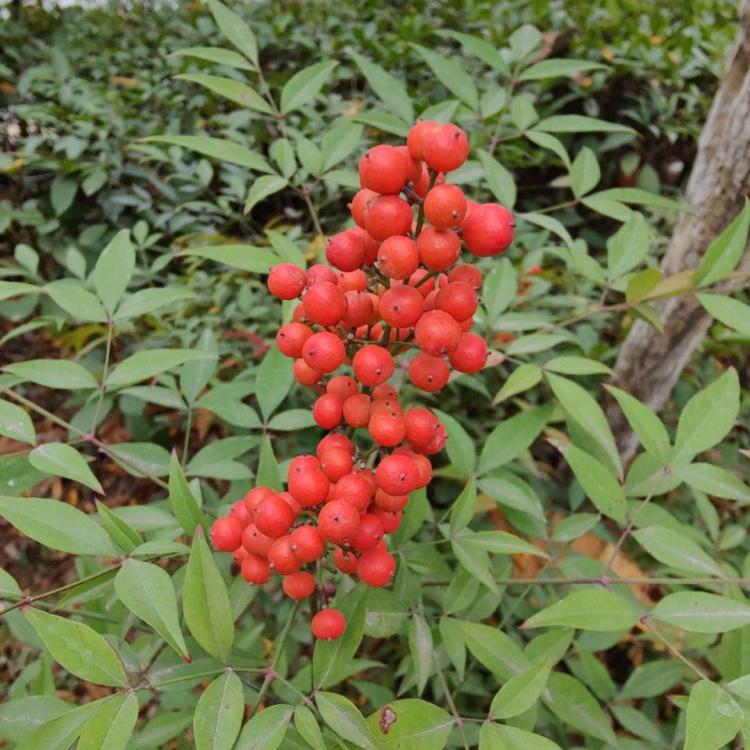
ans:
(218, 713)
(410, 723)
(217, 55)
(60, 459)
(268, 473)
(646, 425)
(343, 717)
(512, 492)
(698, 612)
(78, 648)
(653, 678)
(464, 507)
(499, 737)
(307, 727)
(114, 269)
(150, 362)
(452, 75)
(111, 726)
(598, 483)
(521, 379)
(141, 459)
(550, 223)
(520, 692)
(707, 417)
(583, 409)
(266, 730)
(731, 312)
(676, 550)
(235, 30)
(16, 424)
(550, 142)
(304, 85)
(574, 526)
(181, 499)
(76, 300)
(266, 185)
(511, 437)
(205, 602)
(273, 382)
(145, 301)
(57, 525)
(500, 288)
(421, 650)
(499, 179)
(62, 192)
(19, 717)
(8, 586)
(147, 591)
(243, 257)
(574, 365)
(474, 559)
(123, 535)
(60, 733)
(386, 87)
(557, 67)
(713, 717)
(641, 284)
(480, 48)
(292, 420)
(628, 246)
(236, 91)
(460, 447)
(724, 253)
(584, 172)
(493, 649)
(53, 373)
(216, 148)
(714, 480)
(573, 704)
(595, 608)
(638, 197)
(580, 124)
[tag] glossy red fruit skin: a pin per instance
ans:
(397, 475)
(336, 463)
(401, 306)
(437, 333)
(421, 426)
(273, 516)
(334, 439)
(428, 373)
(338, 521)
(383, 169)
(324, 351)
(282, 558)
(458, 299)
(304, 374)
(438, 248)
(328, 624)
(255, 495)
(488, 230)
(372, 365)
(468, 273)
(356, 410)
(342, 386)
(255, 569)
(255, 541)
(307, 544)
(471, 353)
(344, 560)
(327, 411)
(376, 568)
(319, 272)
(299, 585)
(390, 503)
(240, 512)
(309, 487)
(398, 257)
(324, 303)
(291, 338)
(445, 206)
(286, 281)
(354, 489)
(386, 428)
(369, 533)
(388, 215)
(417, 137)
(345, 251)
(226, 533)
(360, 205)
(446, 148)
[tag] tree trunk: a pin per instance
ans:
(650, 362)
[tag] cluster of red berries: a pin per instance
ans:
(397, 287)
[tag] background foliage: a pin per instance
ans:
(140, 396)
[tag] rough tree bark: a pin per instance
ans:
(650, 362)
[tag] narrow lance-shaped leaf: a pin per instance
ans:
(410, 723)
(60, 459)
(111, 726)
(598, 483)
(218, 713)
(216, 148)
(266, 730)
(389, 89)
(344, 718)
(713, 717)
(725, 251)
(181, 499)
(16, 424)
(148, 363)
(236, 91)
(235, 30)
(594, 609)
(698, 612)
(113, 270)
(304, 85)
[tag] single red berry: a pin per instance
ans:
(352, 281)
(372, 365)
(286, 281)
(356, 410)
(319, 272)
(401, 306)
(418, 135)
(255, 569)
(324, 303)
(383, 169)
(338, 521)
(288, 498)
(282, 557)
(304, 374)
(421, 426)
(345, 251)
(330, 441)
(467, 273)
(291, 337)
(255, 495)
(397, 475)
(371, 245)
(307, 482)
(417, 280)
(256, 542)
(445, 206)
(226, 533)
(415, 167)
(324, 351)
(342, 386)
(273, 516)
(336, 463)
(471, 353)
(390, 502)
(388, 215)
(428, 373)
(298, 585)
(307, 544)
(344, 560)
(327, 411)
(384, 392)
(369, 533)
(424, 469)
(360, 205)
(391, 519)
(328, 624)
(488, 229)
(354, 489)
(446, 148)
(398, 256)
(376, 568)
(240, 512)
(458, 299)
(359, 309)
(239, 555)
(437, 333)
(386, 428)
(438, 248)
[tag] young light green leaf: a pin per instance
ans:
(558, 67)
(698, 612)
(78, 648)
(724, 253)
(584, 172)
(268, 473)
(714, 480)
(731, 312)
(713, 717)
(344, 718)
(217, 55)
(641, 284)
(520, 693)
(501, 737)
(218, 713)
(512, 436)
(452, 75)
(707, 417)
(646, 425)
(205, 602)
(243, 257)
(76, 300)
(235, 30)
(16, 424)
(264, 186)
(410, 723)
(111, 726)
(236, 91)
(123, 535)
(60, 459)
(521, 379)
(147, 591)
(421, 650)
(579, 124)
(216, 148)
(677, 550)
(493, 649)
(307, 727)
(628, 246)
(387, 88)
(602, 488)
(304, 85)
(113, 270)
(595, 608)
(145, 301)
(53, 373)
(150, 362)
(57, 525)
(273, 382)
(181, 499)
(499, 179)
(574, 365)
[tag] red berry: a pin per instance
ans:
(291, 337)
(307, 544)
(438, 248)
(372, 365)
(333, 440)
(307, 482)
(360, 205)
(240, 512)
(286, 281)
(421, 426)
(386, 428)
(298, 585)
(352, 281)
(304, 374)
(416, 280)
(255, 495)
(437, 333)
(273, 516)
(355, 489)
(282, 557)
(390, 502)
(256, 542)
(445, 206)
(328, 624)
(388, 215)
(401, 306)
(319, 272)
(418, 135)
(398, 257)
(288, 498)
(397, 475)
(327, 411)
(369, 533)
(324, 351)
(359, 309)
(342, 386)
(324, 303)
(338, 521)
(226, 533)
(428, 373)
(336, 463)
(384, 392)
(471, 353)
(376, 568)
(446, 148)
(488, 229)
(391, 519)
(383, 169)
(345, 251)
(344, 560)
(371, 245)
(458, 299)
(356, 410)
(467, 273)
(255, 569)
